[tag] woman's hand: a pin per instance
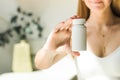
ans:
(61, 36)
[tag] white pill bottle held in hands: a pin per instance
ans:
(79, 35)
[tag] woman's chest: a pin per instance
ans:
(103, 46)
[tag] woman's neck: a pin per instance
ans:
(104, 18)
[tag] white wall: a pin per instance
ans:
(51, 12)
(6, 9)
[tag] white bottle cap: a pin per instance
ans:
(79, 21)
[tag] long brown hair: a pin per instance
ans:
(115, 6)
(84, 12)
(82, 9)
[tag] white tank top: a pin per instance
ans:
(91, 67)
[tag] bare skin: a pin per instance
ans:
(103, 31)
(57, 45)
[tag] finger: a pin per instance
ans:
(78, 17)
(74, 16)
(63, 27)
(74, 53)
(68, 27)
(59, 26)
(69, 21)
(68, 24)
(69, 50)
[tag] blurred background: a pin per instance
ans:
(31, 20)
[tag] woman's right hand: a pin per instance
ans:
(61, 36)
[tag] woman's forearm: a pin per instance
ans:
(44, 58)
(47, 57)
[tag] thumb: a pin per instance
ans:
(69, 50)
(75, 53)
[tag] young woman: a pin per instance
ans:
(101, 60)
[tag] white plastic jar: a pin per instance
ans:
(78, 35)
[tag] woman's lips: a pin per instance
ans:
(93, 2)
(97, 1)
